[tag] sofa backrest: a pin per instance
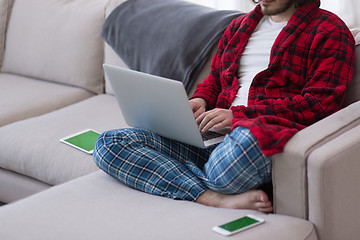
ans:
(353, 93)
(5, 9)
(57, 41)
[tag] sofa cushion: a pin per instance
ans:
(5, 9)
(57, 41)
(111, 57)
(98, 207)
(32, 147)
(15, 186)
(165, 52)
(22, 97)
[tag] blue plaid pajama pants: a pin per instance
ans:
(153, 164)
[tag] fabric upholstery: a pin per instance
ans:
(15, 186)
(111, 57)
(98, 207)
(57, 41)
(33, 147)
(22, 98)
(333, 178)
(5, 9)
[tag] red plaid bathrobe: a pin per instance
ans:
(310, 68)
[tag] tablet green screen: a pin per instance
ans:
(84, 140)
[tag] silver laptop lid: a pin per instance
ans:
(154, 103)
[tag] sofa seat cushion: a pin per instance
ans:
(15, 186)
(98, 207)
(22, 97)
(57, 41)
(32, 147)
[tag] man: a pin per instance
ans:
(279, 68)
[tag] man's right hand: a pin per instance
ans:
(198, 106)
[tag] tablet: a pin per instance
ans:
(84, 140)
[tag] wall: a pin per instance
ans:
(346, 9)
(356, 5)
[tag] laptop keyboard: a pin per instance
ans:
(210, 135)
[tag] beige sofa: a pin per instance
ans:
(52, 85)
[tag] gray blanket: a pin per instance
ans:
(169, 38)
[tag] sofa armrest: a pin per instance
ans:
(333, 178)
(290, 167)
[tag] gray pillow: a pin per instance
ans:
(168, 38)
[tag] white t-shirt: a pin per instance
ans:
(256, 56)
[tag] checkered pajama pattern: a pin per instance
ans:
(150, 163)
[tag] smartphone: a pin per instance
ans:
(84, 140)
(238, 225)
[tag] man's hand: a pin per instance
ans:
(198, 106)
(217, 118)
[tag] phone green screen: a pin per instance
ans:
(84, 140)
(239, 223)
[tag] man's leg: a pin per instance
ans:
(150, 163)
(156, 165)
(235, 169)
(237, 164)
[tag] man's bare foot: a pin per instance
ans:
(253, 199)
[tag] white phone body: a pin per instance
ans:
(238, 225)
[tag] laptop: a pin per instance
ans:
(159, 105)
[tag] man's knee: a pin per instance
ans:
(108, 146)
(237, 164)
